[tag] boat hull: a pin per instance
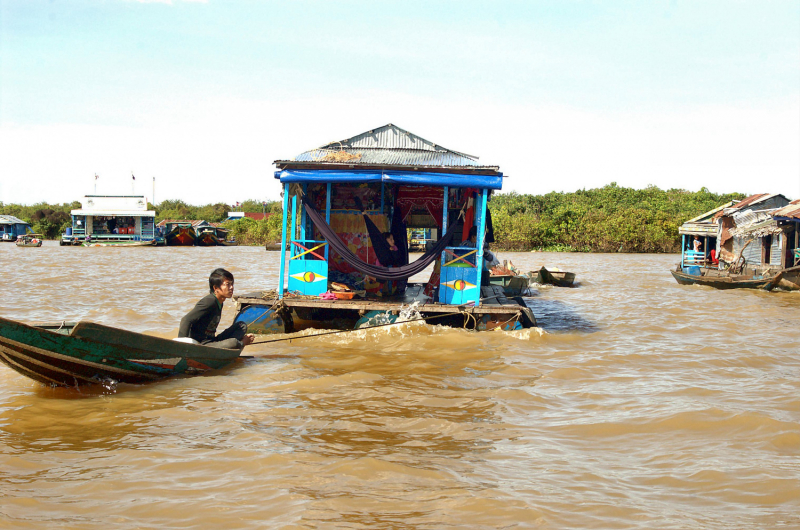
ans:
(512, 285)
(720, 282)
(181, 236)
(207, 239)
(119, 243)
(88, 353)
(557, 278)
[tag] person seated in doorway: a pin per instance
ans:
(201, 322)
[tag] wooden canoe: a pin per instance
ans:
(721, 282)
(558, 278)
(70, 354)
(30, 240)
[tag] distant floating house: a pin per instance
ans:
(12, 227)
(754, 242)
(735, 230)
(112, 220)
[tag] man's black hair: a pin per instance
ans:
(217, 278)
(387, 235)
(473, 232)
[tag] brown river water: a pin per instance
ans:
(639, 404)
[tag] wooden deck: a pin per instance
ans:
(495, 304)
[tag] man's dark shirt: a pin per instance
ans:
(202, 321)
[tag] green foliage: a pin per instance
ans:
(251, 232)
(607, 219)
(50, 220)
(213, 213)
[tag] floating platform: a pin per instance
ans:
(265, 313)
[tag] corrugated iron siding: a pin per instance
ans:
(405, 157)
(752, 254)
(775, 250)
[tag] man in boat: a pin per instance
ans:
(201, 322)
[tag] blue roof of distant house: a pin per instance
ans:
(11, 220)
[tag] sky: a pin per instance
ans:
(199, 98)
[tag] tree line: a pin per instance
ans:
(607, 219)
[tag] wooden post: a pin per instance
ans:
(444, 213)
(294, 223)
(283, 239)
(327, 213)
(303, 215)
(479, 243)
(683, 251)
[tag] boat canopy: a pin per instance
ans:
(413, 178)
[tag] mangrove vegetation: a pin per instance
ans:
(607, 219)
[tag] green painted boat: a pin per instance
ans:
(83, 353)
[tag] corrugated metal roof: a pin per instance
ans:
(194, 222)
(388, 145)
(791, 210)
(11, 220)
(753, 199)
(393, 157)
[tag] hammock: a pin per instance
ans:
(381, 273)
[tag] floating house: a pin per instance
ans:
(751, 243)
(705, 228)
(346, 202)
(112, 220)
(12, 227)
(736, 234)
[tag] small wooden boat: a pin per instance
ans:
(70, 354)
(29, 240)
(553, 277)
(719, 279)
(123, 243)
(787, 279)
(207, 237)
(512, 284)
(181, 236)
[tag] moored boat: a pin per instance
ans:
(717, 279)
(74, 354)
(553, 277)
(107, 243)
(29, 240)
(181, 236)
(207, 237)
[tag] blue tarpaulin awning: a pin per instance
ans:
(410, 178)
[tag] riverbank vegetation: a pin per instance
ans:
(607, 219)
